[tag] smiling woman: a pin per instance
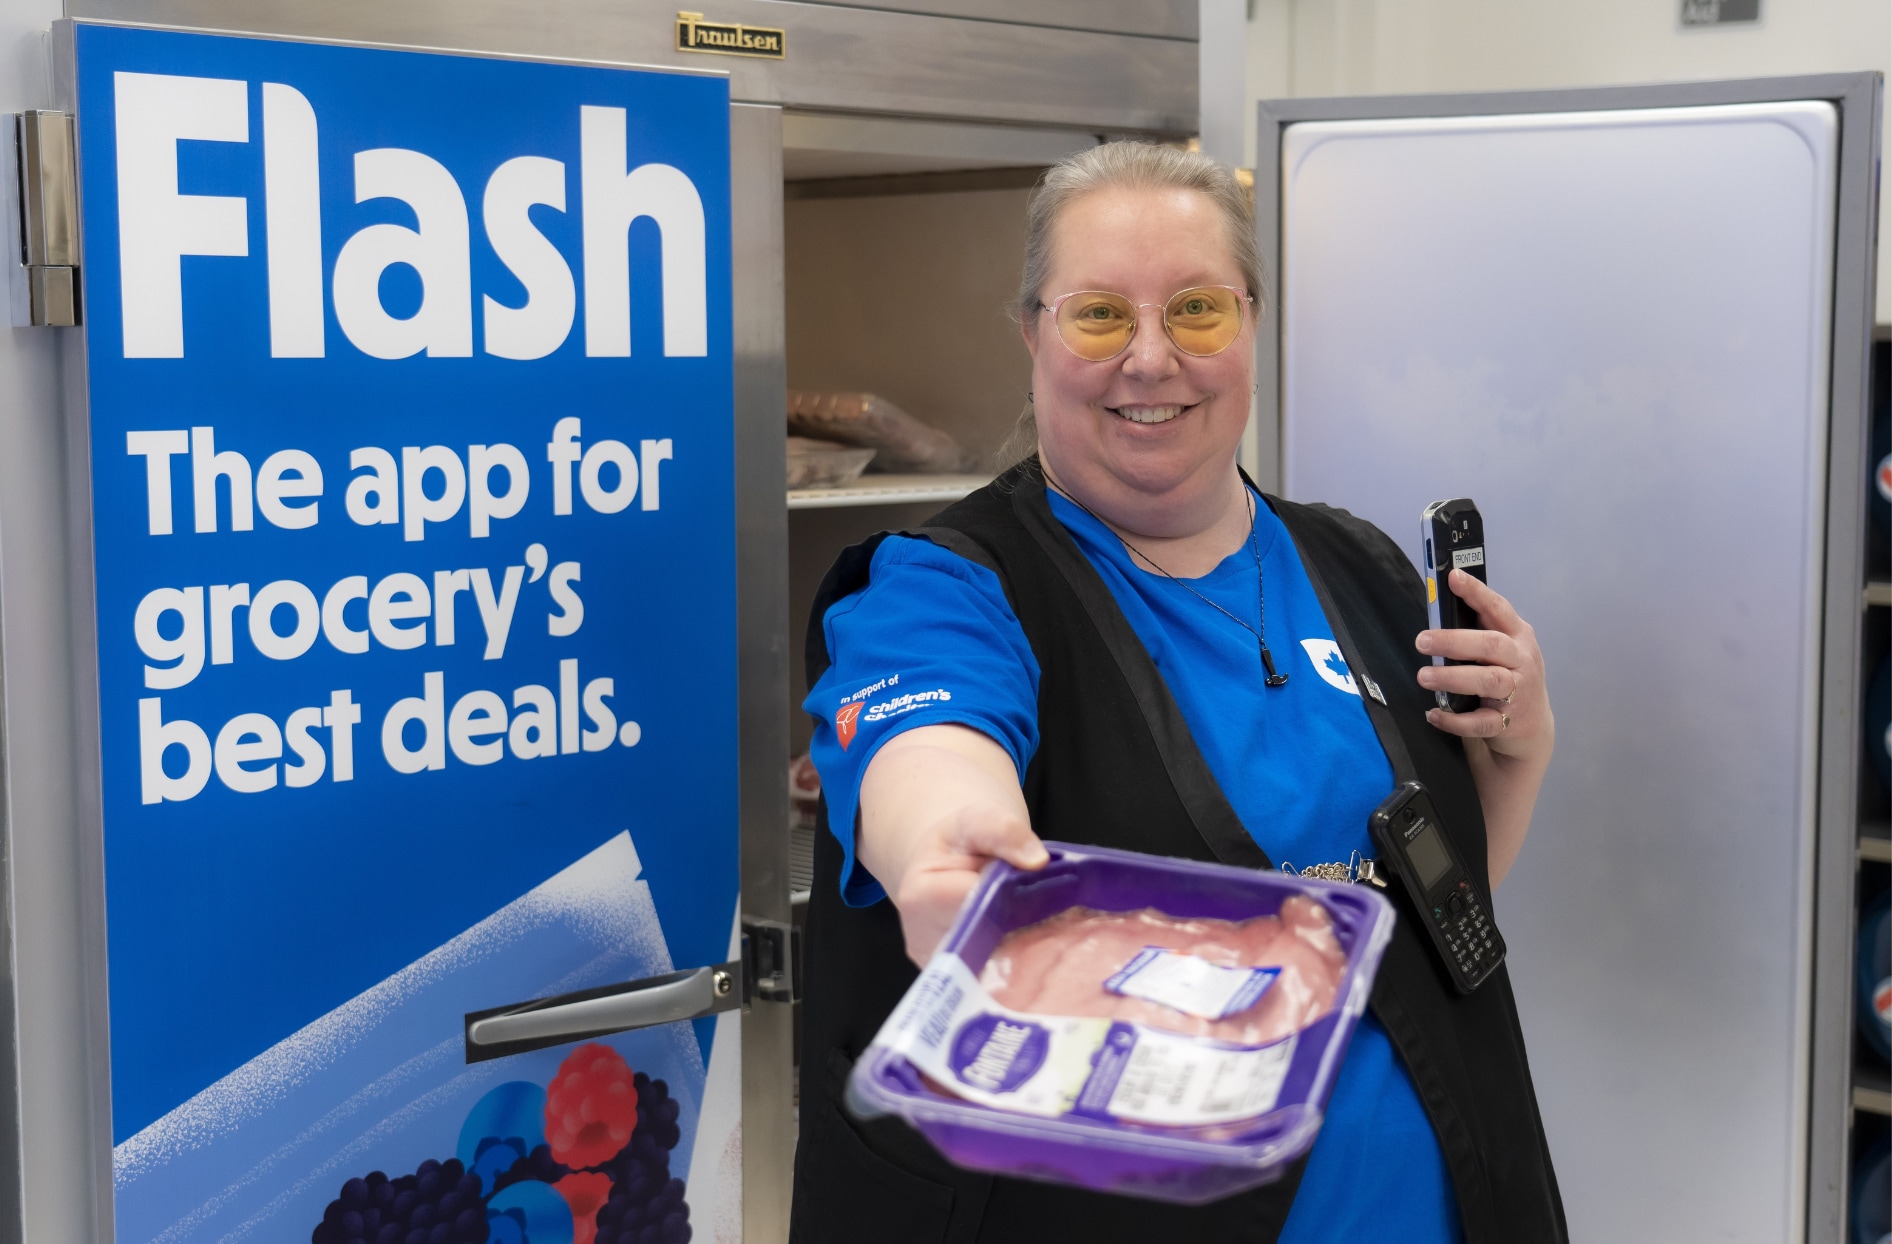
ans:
(1089, 641)
(1183, 223)
(1145, 435)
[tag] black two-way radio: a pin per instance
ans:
(1410, 840)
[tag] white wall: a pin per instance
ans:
(1384, 47)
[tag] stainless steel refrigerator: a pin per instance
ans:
(1632, 324)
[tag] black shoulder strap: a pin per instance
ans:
(955, 541)
(1391, 741)
(1195, 785)
(849, 575)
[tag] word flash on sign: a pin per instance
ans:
(158, 226)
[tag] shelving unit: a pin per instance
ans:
(887, 490)
(876, 211)
(1871, 1084)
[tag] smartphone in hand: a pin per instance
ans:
(1452, 534)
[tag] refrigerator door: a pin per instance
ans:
(1612, 328)
(409, 389)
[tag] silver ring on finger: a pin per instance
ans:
(1504, 722)
(1516, 678)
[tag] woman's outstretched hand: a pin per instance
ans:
(938, 804)
(1509, 737)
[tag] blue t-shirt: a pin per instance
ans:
(933, 640)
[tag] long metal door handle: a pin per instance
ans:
(690, 994)
(661, 1004)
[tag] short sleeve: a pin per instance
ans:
(930, 640)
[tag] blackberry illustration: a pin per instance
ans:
(590, 1106)
(538, 1165)
(657, 1110)
(646, 1205)
(438, 1204)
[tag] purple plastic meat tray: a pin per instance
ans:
(1183, 1164)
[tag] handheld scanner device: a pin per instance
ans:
(1452, 533)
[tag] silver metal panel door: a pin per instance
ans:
(1121, 72)
(1611, 330)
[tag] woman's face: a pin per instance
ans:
(1153, 425)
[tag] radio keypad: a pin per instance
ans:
(1470, 940)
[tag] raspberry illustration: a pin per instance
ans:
(590, 1107)
(585, 1193)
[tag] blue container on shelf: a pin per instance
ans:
(1872, 1196)
(1872, 970)
(1878, 719)
(1879, 462)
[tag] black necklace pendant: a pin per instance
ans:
(1274, 678)
(1267, 663)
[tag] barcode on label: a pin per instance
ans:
(926, 1012)
(934, 1030)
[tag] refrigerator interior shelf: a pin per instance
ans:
(887, 490)
(1874, 844)
(1879, 593)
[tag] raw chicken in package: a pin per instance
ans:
(1131, 1023)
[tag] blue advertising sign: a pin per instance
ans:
(410, 406)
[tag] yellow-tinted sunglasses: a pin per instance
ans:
(1097, 326)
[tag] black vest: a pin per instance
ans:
(1116, 767)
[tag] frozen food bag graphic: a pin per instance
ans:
(369, 1124)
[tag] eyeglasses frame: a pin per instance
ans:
(1246, 300)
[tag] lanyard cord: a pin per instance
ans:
(1273, 679)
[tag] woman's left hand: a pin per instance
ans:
(1504, 669)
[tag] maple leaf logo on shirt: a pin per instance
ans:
(1329, 664)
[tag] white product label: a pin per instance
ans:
(1050, 1065)
(1170, 1081)
(1464, 558)
(1190, 984)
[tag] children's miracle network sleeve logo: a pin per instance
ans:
(855, 711)
(887, 709)
(844, 722)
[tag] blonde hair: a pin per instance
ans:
(1123, 166)
(1134, 166)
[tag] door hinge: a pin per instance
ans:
(771, 961)
(46, 286)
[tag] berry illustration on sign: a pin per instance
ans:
(585, 1160)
